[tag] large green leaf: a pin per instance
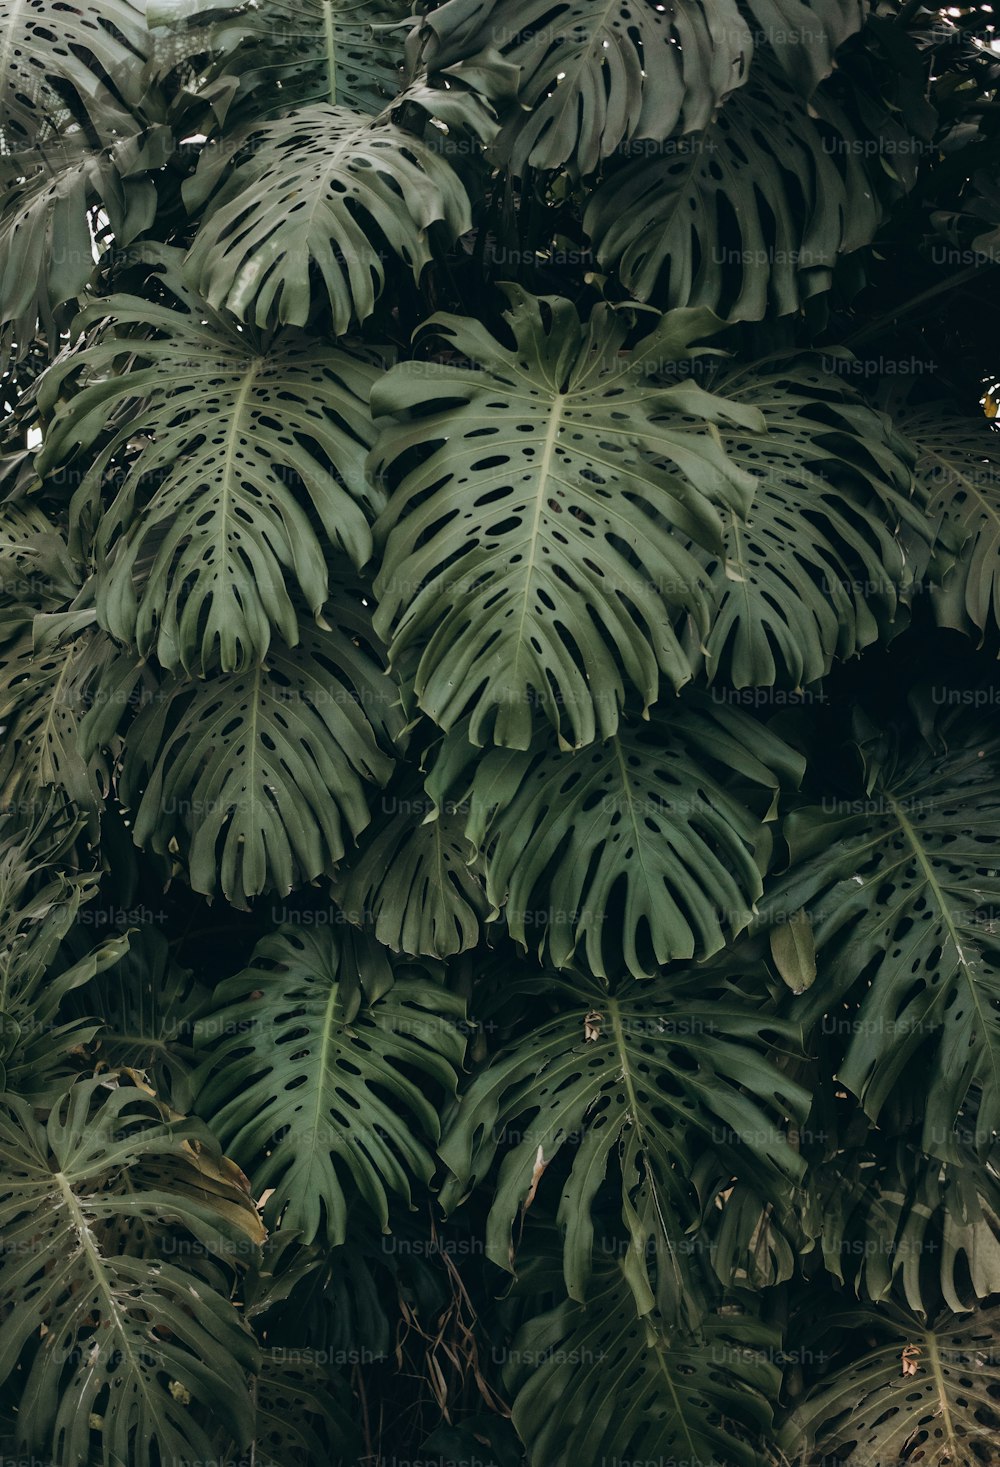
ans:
(258, 777)
(900, 879)
(748, 218)
(958, 467)
(305, 1412)
(633, 852)
(754, 1241)
(307, 214)
(532, 551)
(595, 73)
(63, 65)
(64, 687)
(302, 1294)
(123, 1361)
(287, 52)
(36, 568)
(804, 34)
(641, 1082)
(227, 442)
(64, 684)
(143, 1009)
(944, 1411)
(816, 569)
(321, 1093)
(47, 240)
(39, 910)
(894, 1221)
(413, 880)
(597, 1385)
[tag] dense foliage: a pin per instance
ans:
(499, 766)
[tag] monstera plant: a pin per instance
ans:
(499, 770)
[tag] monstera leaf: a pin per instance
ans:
(63, 66)
(259, 777)
(895, 1220)
(803, 35)
(640, 1081)
(64, 687)
(595, 1385)
(769, 196)
(39, 1026)
(532, 555)
(46, 237)
(305, 1412)
(36, 569)
(239, 441)
(144, 1361)
(144, 1008)
(816, 570)
(289, 52)
(927, 1394)
(753, 1244)
(320, 1093)
(332, 1294)
(35, 564)
(310, 208)
(632, 853)
(412, 880)
(900, 882)
(958, 467)
(595, 75)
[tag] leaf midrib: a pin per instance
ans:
(321, 1109)
(95, 1262)
(746, 576)
(633, 1105)
(545, 470)
(229, 459)
(659, 1350)
(948, 920)
(49, 732)
(627, 790)
(626, 1068)
(934, 1360)
(330, 46)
